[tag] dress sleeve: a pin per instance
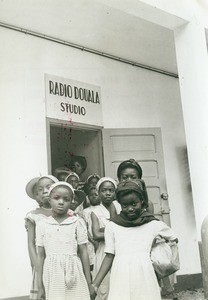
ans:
(40, 234)
(79, 210)
(85, 215)
(30, 216)
(164, 231)
(87, 218)
(109, 239)
(81, 232)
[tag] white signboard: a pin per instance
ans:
(72, 101)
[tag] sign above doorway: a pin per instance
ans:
(72, 101)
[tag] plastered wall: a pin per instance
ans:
(131, 97)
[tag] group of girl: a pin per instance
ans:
(96, 246)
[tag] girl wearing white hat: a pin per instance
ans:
(37, 189)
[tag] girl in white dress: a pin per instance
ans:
(129, 238)
(37, 189)
(100, 217)
(62, 273)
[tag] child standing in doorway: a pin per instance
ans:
(78, 164)
(79, 201)
(38, 190)
(100, 217)
(61, 173)
(129, 238)
(73, 179)
(62, 273)
(92, 180)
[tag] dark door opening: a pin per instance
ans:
(67, 141)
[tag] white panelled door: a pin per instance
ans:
(145, 146)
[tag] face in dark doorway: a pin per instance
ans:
(77, 168)
(73, 180)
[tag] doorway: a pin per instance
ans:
(105, 149)
(68, 140)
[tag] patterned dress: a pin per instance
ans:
(132, 274)
(63, 276)
(35, 217)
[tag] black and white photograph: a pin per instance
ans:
(104, 149)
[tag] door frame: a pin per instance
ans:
(75, 125)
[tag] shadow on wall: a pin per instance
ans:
(186, 188)
(182, 157)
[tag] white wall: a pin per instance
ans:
(131, 97)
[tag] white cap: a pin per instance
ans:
(104, 179)
(61, 183)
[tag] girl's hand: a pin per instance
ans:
(90, 238)
(41, 293)
(96, 244)
(93, 291)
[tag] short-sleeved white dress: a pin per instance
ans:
(63, 276)
(132, 274)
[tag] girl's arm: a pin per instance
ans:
(109, 257)
(90, 237)
(97, 234)
(40, 262)
(86, 267)
(166, 232)
(31, 243)
(112, 210)
(104, 269)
